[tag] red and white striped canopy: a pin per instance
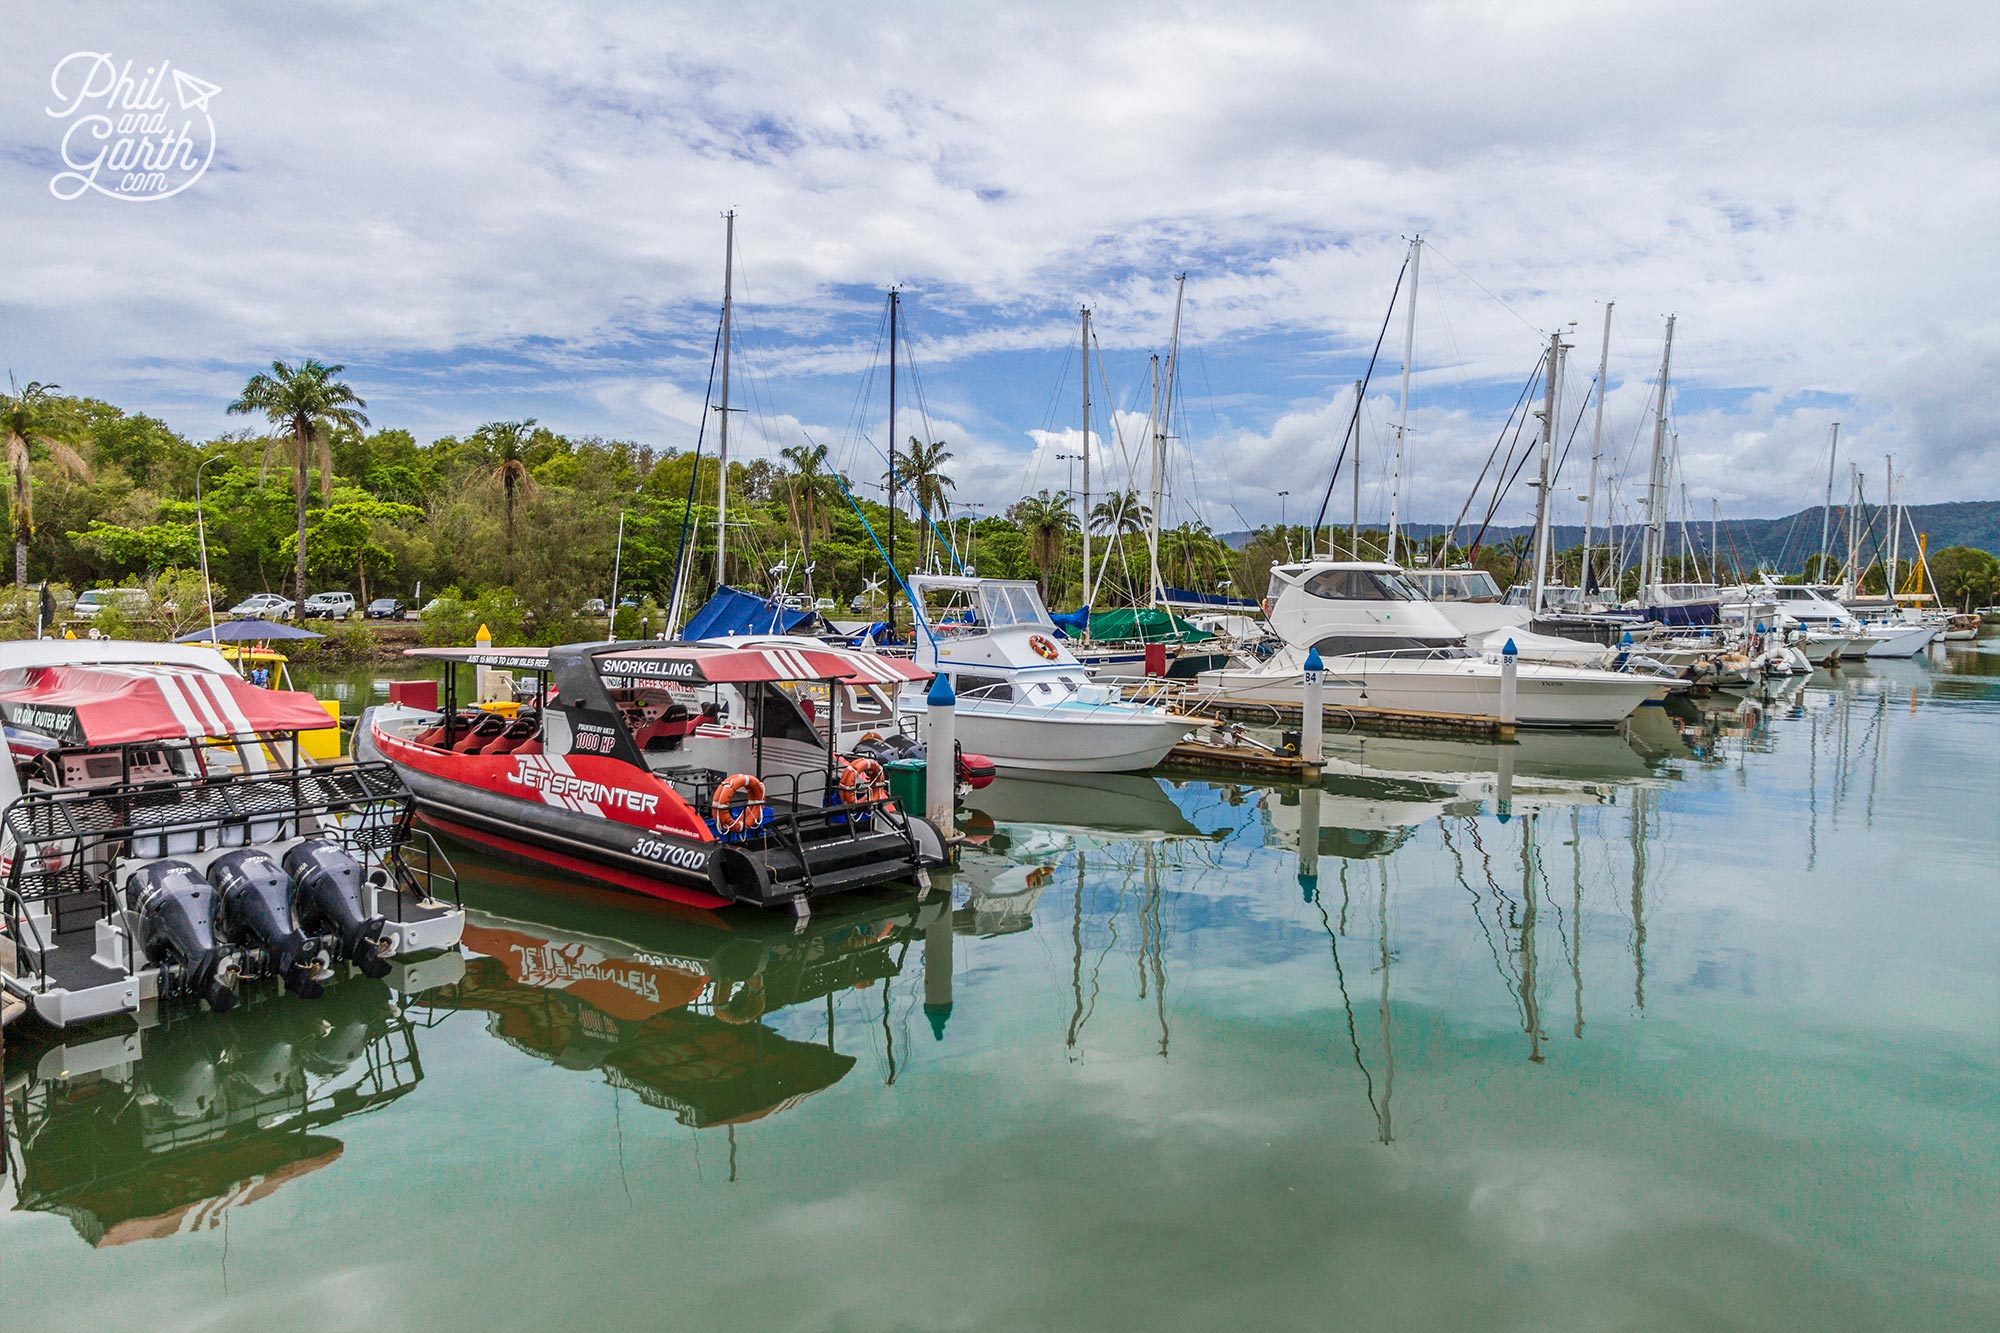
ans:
(120, 703)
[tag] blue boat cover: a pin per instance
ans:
(1189, 597)
(733, 612)
(1072, 622)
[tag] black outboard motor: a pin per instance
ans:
(328, 883)
(176, 908)
(256, 909)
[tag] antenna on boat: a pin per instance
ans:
(895, 307)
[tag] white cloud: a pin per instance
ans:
(415, 191)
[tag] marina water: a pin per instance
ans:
(1696, 1027)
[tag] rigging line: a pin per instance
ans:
(1431, 246)
(1494, 452)
(864, 396)
(1354, 420)
(921, 510)
(1500, 488)
(694, 475)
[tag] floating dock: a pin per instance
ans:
(1201, 756)
(1340, 720)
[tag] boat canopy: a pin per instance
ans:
(123, 703)
(699, 663)
(1147, 624)
(733, 612)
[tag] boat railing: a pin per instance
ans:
(64, 843)
(790, 819)
(1117, 698)
(416, 868)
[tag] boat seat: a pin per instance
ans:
(480, 734)
(666, 731)
(432, 736)
(518, 733)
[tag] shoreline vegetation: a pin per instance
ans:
(515, 526)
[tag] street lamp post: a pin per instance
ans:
(201, 538)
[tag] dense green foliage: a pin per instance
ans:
(516, 525)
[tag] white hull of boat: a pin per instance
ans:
(1899, 641)
(1066, 738)
(1545, 696)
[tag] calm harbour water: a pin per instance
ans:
(1699, 1028)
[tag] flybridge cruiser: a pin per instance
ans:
(1471, 600)
(1023, 699)
(164, 837)
(1385, 647)
(685, 771)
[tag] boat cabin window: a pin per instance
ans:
(1688, 592)
(1377, 645)
(1359, 585)
(994, 688)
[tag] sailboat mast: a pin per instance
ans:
(1654, 553)
(895, 582)
(1354, 533)
(1852, 582)
(722, 448)
(1085, 515)
(1163, 411)
(1596, 453)
(1826, 510)
(1895, 528)
(1403, 413)
(1551, 397)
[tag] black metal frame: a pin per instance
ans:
(89, 827)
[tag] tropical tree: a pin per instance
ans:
(807, 486)
(311, 402)
(506, 446)
(31, 418)
(1047, 520)
(920, 475)
(1120, 514)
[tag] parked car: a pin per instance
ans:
(265, 606)
(594, 607)
(330, 606)
(132, 601)
(386, 608)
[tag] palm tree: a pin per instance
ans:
(36, 415)
(506, 446)
(807, 485)
(1047, 520)
(311, 401)
(922, 477)
(1120, 514)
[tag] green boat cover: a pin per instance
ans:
(1147, 625)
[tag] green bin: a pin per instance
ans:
(906, 784)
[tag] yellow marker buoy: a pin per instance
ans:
(483, 639)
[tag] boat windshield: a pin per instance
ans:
(1389, 645)
(1360, 585)
(1013, 604)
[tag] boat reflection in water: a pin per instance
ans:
(673, 1005)
(163, 1130)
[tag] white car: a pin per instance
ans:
(330, 606)
(133, 601)
(265, 606)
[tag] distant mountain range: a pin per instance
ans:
(1777, 543)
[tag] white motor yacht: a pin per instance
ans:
(1023, 699)
(1385, 647)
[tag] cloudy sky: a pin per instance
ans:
(515, 210)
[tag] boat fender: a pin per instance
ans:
(975, 770)
(176, 908)
(739, 803)
(256, 909)
(327, 884)
(863, 780)
(1042, 646)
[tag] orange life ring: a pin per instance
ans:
(729, 816)
(1042, 646)
(863, 780)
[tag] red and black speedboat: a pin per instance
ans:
(702, 773)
